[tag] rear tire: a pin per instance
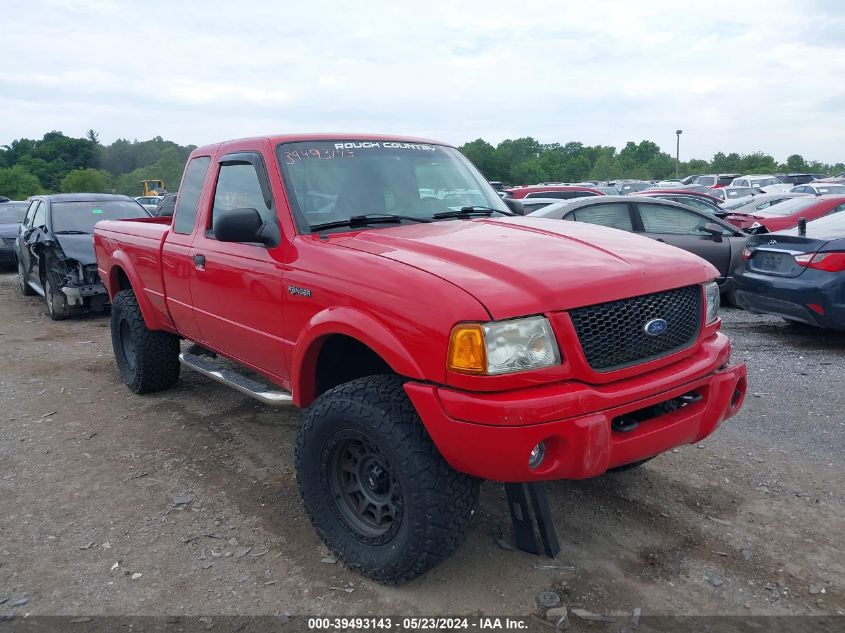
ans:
(148, 360)
(26, 289)
(378, 492)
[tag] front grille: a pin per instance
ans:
(613, 334)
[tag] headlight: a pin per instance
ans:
(711, 295)
(503, 347)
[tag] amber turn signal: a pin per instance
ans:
(467, 350)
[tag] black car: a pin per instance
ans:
(797, 277)
(55, 249)
(11, 215)
(695, 231)
(166, 206)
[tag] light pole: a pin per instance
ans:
(678, 152)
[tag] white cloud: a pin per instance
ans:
(762, 78)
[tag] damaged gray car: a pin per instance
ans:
(55, 249)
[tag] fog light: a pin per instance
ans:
(535, 457)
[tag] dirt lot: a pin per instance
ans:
(185, 502)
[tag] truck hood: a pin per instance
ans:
(78, 247)
(519, 266)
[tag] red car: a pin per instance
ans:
(562, 192)
(786, 214)
(432, 338)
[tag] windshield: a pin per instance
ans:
(738, 192)
(764, 182)
(332, 181)
(80, 217)
(788, 207)
(830, 188)
(13, 212)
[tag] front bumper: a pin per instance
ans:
(790, 297)
(76, 295)
(490, 435)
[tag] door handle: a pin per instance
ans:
(660, 239)
(199, 261)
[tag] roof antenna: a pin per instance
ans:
(802, 227)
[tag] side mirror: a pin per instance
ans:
(515, 205)
(714, 230)
(241, 225)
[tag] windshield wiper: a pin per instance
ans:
(466, 212)
(71, 232)
(364, 220)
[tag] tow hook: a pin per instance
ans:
(624, 424)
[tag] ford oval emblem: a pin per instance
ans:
(656, 327)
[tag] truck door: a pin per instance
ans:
(176, 263)
(237, 288)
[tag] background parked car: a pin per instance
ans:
(800, 278)
(733, 193)
(533, 204)
(665, 221)
(561, 192)
(55, 249)
(166, 206)
(149, 202)
(758, 202)
(819, 188)
(766, 182)
(11, 216)
(632, 186)
(785, 215)
(798, 179)
(715, 180)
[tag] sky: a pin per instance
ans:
(734, 76)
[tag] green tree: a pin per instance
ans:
(796, 163)
(695, 166)
(483, 156)
(17, 183)
(757, 163)
(87, 181)
(168, 168)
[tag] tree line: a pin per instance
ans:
(527, 161)
(62, 164)
(59, 163)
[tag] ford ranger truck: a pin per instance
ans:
(432, 338)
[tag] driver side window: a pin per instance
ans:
(40, 218)
(30, 214)
(238, 187)
(669, 220)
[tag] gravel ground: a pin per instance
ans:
(185, 502)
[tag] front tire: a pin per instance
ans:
(57, 306)
(378, 492)
(148, 360)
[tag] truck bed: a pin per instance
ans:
(137, 244)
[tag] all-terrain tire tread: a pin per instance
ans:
(448, 496)
(157, 352)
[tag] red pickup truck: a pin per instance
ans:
(433, 338)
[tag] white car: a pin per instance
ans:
(820, 188)
(149, 202)
(766, 182)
